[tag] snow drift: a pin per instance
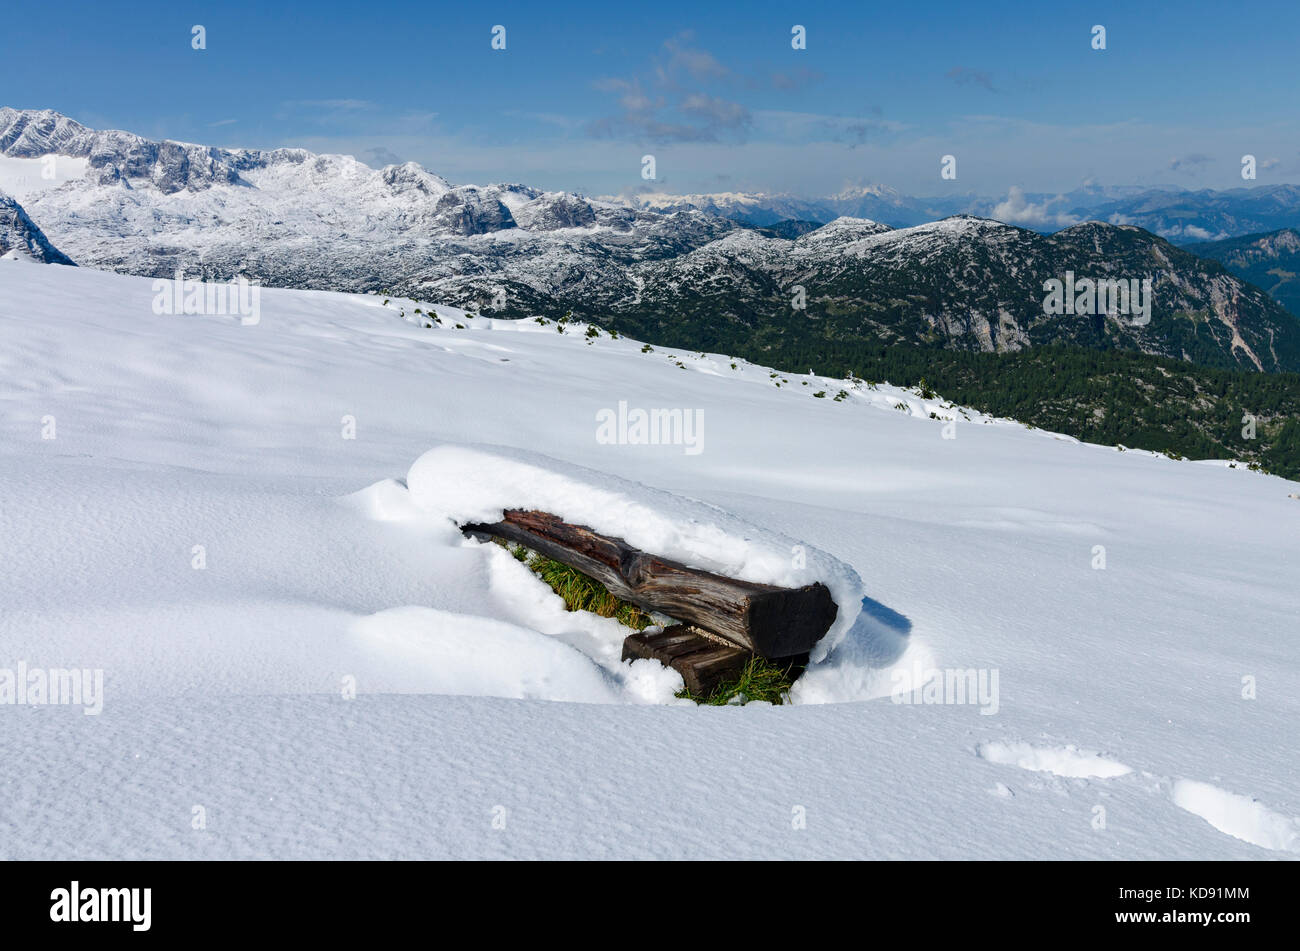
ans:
(467, 485)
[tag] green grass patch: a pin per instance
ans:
(579, 591)
(760, 679)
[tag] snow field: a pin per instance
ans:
(329, 561)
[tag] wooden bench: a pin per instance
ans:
(726, 621)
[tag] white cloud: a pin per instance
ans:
(1017, 210)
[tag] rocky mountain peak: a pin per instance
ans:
(19, 235)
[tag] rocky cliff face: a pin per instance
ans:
(962, 283)
(1271, 261)
(20, 236)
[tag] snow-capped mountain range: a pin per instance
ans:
(876, 202)
(1171, 212)
(287, 217)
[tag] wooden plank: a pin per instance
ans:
(703, 663)
(767, 619)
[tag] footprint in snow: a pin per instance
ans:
(1067, 761)
(1238, 816)
(1232, 814)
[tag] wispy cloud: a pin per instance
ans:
(677, 99)
(720, 113)
(1188, 163)
(332, 105)
(810, 153)
(555, 119)
(380, 156)
(358, 116)
(820, 127)
(699, 64)
(966, 76)
(794, 78)
(1016, 209)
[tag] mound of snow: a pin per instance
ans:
(450, 653)
(470, 485)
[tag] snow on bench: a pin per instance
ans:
(767, 619)
(741, 589)
(743, 617)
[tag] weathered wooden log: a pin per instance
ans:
(703, 662)
(767, 619)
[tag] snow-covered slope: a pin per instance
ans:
(228, 519)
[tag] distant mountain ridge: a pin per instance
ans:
(288, 217)
(1270, 261)
(1177, 214)
(963, 283)
(876, 202)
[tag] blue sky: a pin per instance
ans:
(713, 90)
